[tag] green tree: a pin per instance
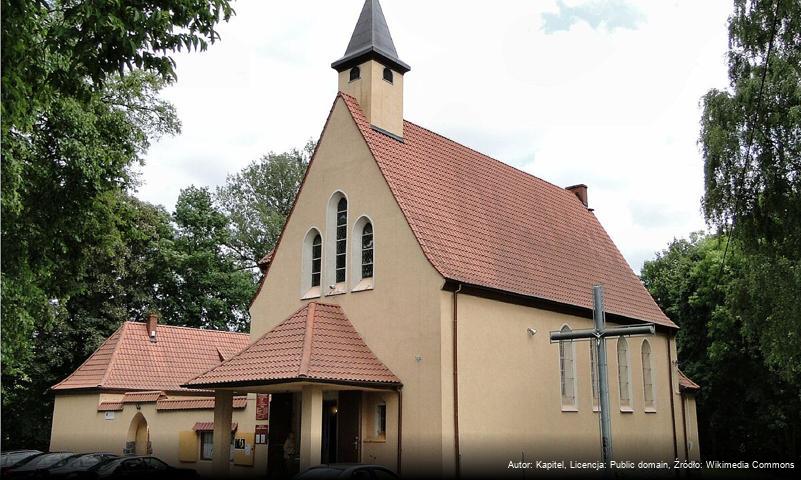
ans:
(751, 141)
(258, 199)
(208, 285)
(744, 409)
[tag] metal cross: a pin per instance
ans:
(599, 334)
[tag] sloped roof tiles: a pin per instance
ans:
(482, 222)
(129, 361)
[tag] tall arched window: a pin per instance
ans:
(594, 374)
(647, 376)
(367, 251)
(316, 260)
(623, 373)
(311, 269)
(342, 239)
(567, 371)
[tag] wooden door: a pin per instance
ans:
(349, 422)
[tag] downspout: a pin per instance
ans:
(672, 408)
(457, 451)
(400, 428)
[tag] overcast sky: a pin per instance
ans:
(602, 92)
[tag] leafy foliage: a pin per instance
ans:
(258, 199)
(744, 409)
(751, 141)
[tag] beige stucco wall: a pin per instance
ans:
(691, 423)
(381, 101)
(79, 427)
(510, 400)
(399, 318)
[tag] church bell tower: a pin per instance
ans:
(371, 71)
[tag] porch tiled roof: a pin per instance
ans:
(317, 343)
(142, 397)
(129, 361)
(482, 222)
(196, 403)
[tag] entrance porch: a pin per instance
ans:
(332, 401)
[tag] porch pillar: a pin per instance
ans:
(223, 411)
(311, 426)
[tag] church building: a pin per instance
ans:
(403, 316)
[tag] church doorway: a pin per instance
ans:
(138, 436)
(349, 420)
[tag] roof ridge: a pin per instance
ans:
(197, 329)
(305, 358)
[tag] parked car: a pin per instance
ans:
(138, 467)
(15, 458)
(347, 470)
(77, 467)
(37, 466)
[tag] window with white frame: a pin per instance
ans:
(623, 373)
(342, 239)
(567, 371)
(206, 445)
(311, 268)
(594, 374)
(381, 420)
(647, 376)
(363, 255)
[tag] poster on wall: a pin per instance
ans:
(263, 406)
(262, 433)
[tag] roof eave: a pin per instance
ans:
(370, 53)
(279, 381)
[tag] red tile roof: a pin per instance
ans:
(316, 343)
(685, 383)
(196, 403)
(109, 406)
(209, 426)
(142, 397)
(482, 222)
(129, 361)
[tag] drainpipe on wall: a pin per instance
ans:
(457, 451)
(672, 408)
(684, 427)
(400, 428)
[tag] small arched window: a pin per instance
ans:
(647, 376)
(367, 251)
(355, 73)
(567, 371)
(316, 260)
(388, 76)
(342, 239)
(623, 373)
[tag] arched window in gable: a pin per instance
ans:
(342, 239)
(311, 267)
(567, 371)
(316, 260)
(623, 373)
(363, 255)
(647, 376)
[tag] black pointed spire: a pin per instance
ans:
(371, 39)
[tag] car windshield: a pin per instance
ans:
(47, 460)
(80, 463)
(108, 467)
(13, 457)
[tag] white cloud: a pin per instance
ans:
(615, 108)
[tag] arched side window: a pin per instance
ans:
(363, 255)
(594, 376)
(567, 371)
(623, 373)
(342, 239)
(388, 76)
(355, 73)
(311, 268)
(335, 269)
(316, 260)
(647, 376)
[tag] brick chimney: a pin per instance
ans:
(581, 192)
(152, 323)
